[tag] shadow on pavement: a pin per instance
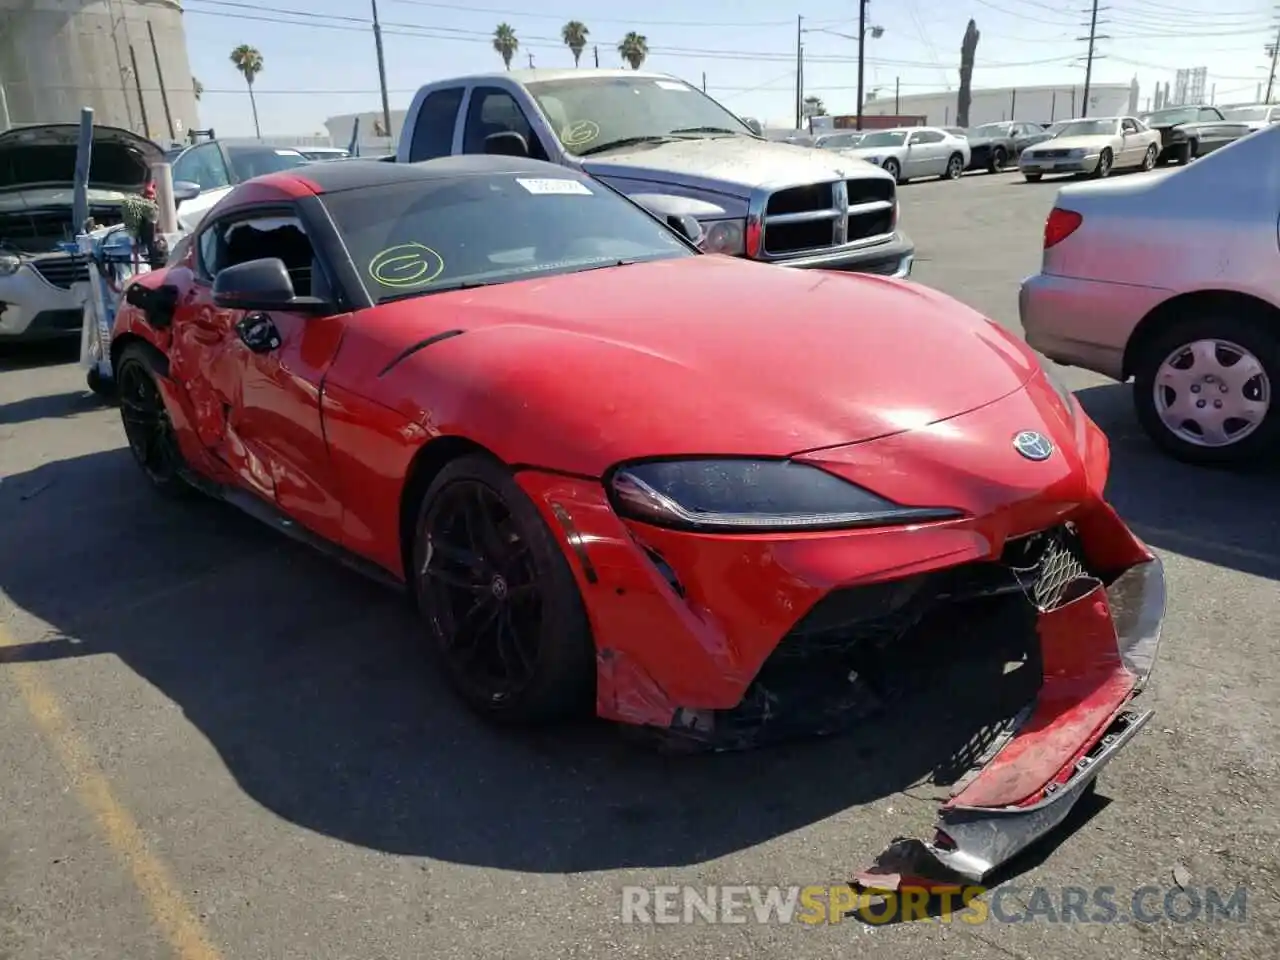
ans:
(313, 686)
(1230, 518)
(48, 407)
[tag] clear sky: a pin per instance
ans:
(320, 60)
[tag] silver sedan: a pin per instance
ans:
(910, 152)
(1173, 280)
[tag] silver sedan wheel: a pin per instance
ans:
(1212, 393)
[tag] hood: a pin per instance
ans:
(863, 152)
(1073, 143)
(728, 165)
(705, 355)
(45, 156)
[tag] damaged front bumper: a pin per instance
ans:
(1098, 652)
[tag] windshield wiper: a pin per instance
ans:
(443, 288)
(683, 130)
(623, 142)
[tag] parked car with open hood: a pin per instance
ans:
(668, 145)
(37, 182)
(1193, 131)
(906, 153)
(1096, 146)
(1173, 281)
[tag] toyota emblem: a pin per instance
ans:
(1033, 445)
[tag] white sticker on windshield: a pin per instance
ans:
(672, 85)
(545, 186)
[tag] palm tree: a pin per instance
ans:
(574, 34)
(814, 107)
(249, 62)
(634, 48)
(197, 87)
(505, 42)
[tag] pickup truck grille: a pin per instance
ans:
(62, 271)
(820, 217)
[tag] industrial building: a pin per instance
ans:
(127, 59)
(1042, 104)
(341, 127)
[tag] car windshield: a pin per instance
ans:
(838, 141)
(593, 115)
(1164, 118)
(428, 236)
(1246, 113)
(886, 139)
(1087, 128)
(990, 130)
(250, 162)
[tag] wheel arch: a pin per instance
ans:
(156, 359)
(430, 459)
(1189, 304)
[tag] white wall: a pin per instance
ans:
(1041, 104)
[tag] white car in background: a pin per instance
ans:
(1096, 146)
(1173, 280)
(1257, 116)
(910, 152)
(215, 167)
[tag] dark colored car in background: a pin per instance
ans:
(1192, 131)
(214, 164)
(994, 145)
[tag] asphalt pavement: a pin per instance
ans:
(215, 745)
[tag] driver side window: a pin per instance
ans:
(260, 235)
(1128, 126)
(925, 136)
(493, 111)
(203, 165)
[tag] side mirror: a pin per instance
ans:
(261, 285)
(185, 190)
(754, 126)
(508, 143)
(687, 226)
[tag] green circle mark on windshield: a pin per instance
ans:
(406, 265)
(579, 133)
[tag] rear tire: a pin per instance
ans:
(1033, 177)
(998, 160)
(955, 168)
(1166, 370)
(499, 599)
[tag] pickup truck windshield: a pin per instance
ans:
(592, 115)
(427, 236)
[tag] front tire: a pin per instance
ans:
(1204, 389)
(1103, 169)
(955, 167)
(1149, 159)
(891, 167)
(152, 439)
(498, 597)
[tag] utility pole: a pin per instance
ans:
(897, 90)
(704, 81)
(799, 73)
(862, 46)
(1090, 57)
(596, 50)
(1271, 75)
(531, 61)
(382, 69)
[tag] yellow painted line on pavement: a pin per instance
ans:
(182, 928)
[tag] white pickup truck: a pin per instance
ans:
(670, 147)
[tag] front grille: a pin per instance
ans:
(62, 271)
(823, 216)
(1056, 154)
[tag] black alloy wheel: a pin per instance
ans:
(998, 160)
(499, 598)
(147, 426)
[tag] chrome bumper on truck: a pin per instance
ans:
(1097, 652)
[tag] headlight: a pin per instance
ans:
(872, 160)
(1077, 153)
(737, 496)
(9, 264)
(724, 236)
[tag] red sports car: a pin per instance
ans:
(705, 495)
